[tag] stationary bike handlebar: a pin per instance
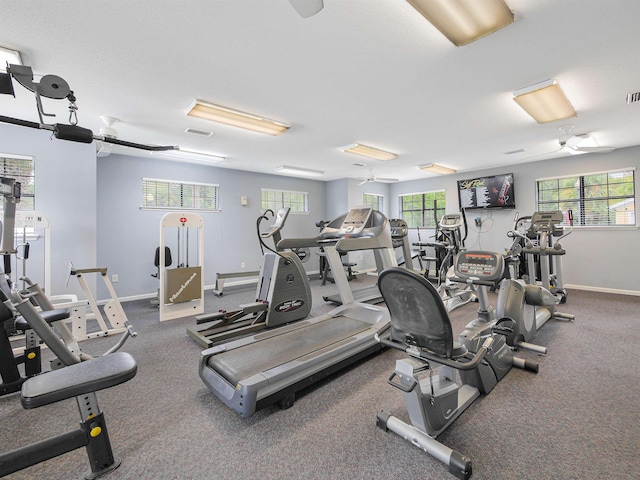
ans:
(458, 365)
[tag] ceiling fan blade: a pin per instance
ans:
(307, 8)
(363, 182)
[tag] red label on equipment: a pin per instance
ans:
(183, 219)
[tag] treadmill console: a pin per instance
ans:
(399, 228)
(486, 266)
(355, 221)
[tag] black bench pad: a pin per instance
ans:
(86, 377)
(48, 316)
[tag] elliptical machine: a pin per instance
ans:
(435, 397)
(283, 294)
(525, 307)
(449, 242)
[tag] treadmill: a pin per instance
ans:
(269, 367)
(371, 294)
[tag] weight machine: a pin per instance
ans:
(182, 287)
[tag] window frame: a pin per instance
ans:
(28, 188)
(424, 208)
(276, 204)
(182, 185)
(582, 199)
(378, 196)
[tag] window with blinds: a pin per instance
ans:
(175, 195)
(372, 199)
(22, 170)
(298, 202)
(602, 199)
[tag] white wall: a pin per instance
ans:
(66, 194)
(94, 209)
(596, 258)
(128, 236)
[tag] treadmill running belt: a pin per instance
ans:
(244, 362)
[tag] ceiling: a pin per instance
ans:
(360, 71)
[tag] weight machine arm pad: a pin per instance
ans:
(79, 379)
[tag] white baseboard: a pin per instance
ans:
(144, 296)
(617, 291)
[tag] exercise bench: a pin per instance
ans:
(81, 380)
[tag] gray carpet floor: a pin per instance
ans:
(578, 418)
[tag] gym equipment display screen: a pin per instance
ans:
(487, 192)
(356, 220)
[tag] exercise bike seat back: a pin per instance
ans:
(418, 315)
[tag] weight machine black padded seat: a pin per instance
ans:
(79, 379)
(48, 316)
(419, 317)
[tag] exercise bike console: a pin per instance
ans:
(474, 265)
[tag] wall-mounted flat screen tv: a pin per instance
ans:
(487, 192)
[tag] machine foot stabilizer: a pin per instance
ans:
(459, 465)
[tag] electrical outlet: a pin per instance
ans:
(114, 278)
(242, 264)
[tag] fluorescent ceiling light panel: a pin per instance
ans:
(191, 156)
(9, 56)
(463, 21)
(435, 168)
(299, 171)
(545, 102)
(370, 152)
(216, 113)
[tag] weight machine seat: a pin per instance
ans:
(79, 379)
(418, 315)
(48, 316)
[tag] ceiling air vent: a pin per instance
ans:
(633, 97)
(195, 131)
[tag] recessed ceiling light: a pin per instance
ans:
(545, 102)
(235, 118)
(190, 156)
(463, 21)
(299, 171)
(9, 56)
(367, 151)
(435, 168)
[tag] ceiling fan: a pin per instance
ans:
(583, 144)
(575, 144)
(372, 178)
(103, 149)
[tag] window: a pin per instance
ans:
(423, 209)
(276, 199)
(171, 194)
(597, 199)
(372, 199)
(22, 169)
